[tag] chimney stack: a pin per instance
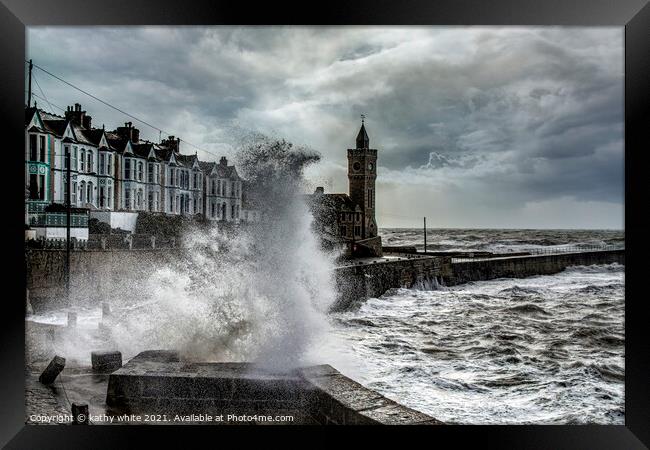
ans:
(128, 131)
(223, 161)
(76, 115)
(172, 143)
(87, 121)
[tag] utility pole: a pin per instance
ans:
(68, 172)
(425, 235)
(29, 89)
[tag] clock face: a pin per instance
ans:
(356, 166)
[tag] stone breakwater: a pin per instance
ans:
(526, 266)
(373, 277)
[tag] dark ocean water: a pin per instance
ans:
(544, 349)
(448, 239)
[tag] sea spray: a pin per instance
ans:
(259, 292)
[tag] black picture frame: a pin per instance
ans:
(634, 15)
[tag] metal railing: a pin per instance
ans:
(57, 219)
(539, 251)
(107, 242)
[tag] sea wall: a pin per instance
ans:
(95, 275)
(526, 266)
(357, 282)
(98, 275)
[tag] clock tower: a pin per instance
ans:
(362, 173)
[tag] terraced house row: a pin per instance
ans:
(115, 174)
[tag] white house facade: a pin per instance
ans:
(116, 171)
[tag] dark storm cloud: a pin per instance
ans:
(501, 120)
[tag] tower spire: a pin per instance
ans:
(362, 138)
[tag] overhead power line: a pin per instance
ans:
(40, 89)
(144, 122)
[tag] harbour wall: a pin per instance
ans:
(98, 275)
(95, 275)
(526, 266)
(360, 281)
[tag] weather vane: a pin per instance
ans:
(363, 117)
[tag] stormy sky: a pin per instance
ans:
(487, 127)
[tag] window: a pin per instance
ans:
(109, 166)
(33, 152)
(90, 193)
(33, 186)
(140, 170)
(232, 189)
(73, 197)
(157, 169)
(212, 208)
(102, 163)
(150, 176)
(195, 182)
(89, 159)
(66, 152)
(74, 157)
(127, 198)
(232, 211)
(139, 199)
(127, 169)
(357, 230)
(82, 161)
(150, 199)
(358, 217)
(343, 230)
(102, 196)
(42, 142)
(213, 189)
(109, 200)
(82, 192)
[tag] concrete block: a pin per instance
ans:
(52, 370)
(80, 414)
(106, 361)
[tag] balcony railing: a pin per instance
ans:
(58, 219)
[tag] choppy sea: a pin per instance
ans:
(542, 350)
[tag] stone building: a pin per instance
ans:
(115, 175)
(350, 218)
